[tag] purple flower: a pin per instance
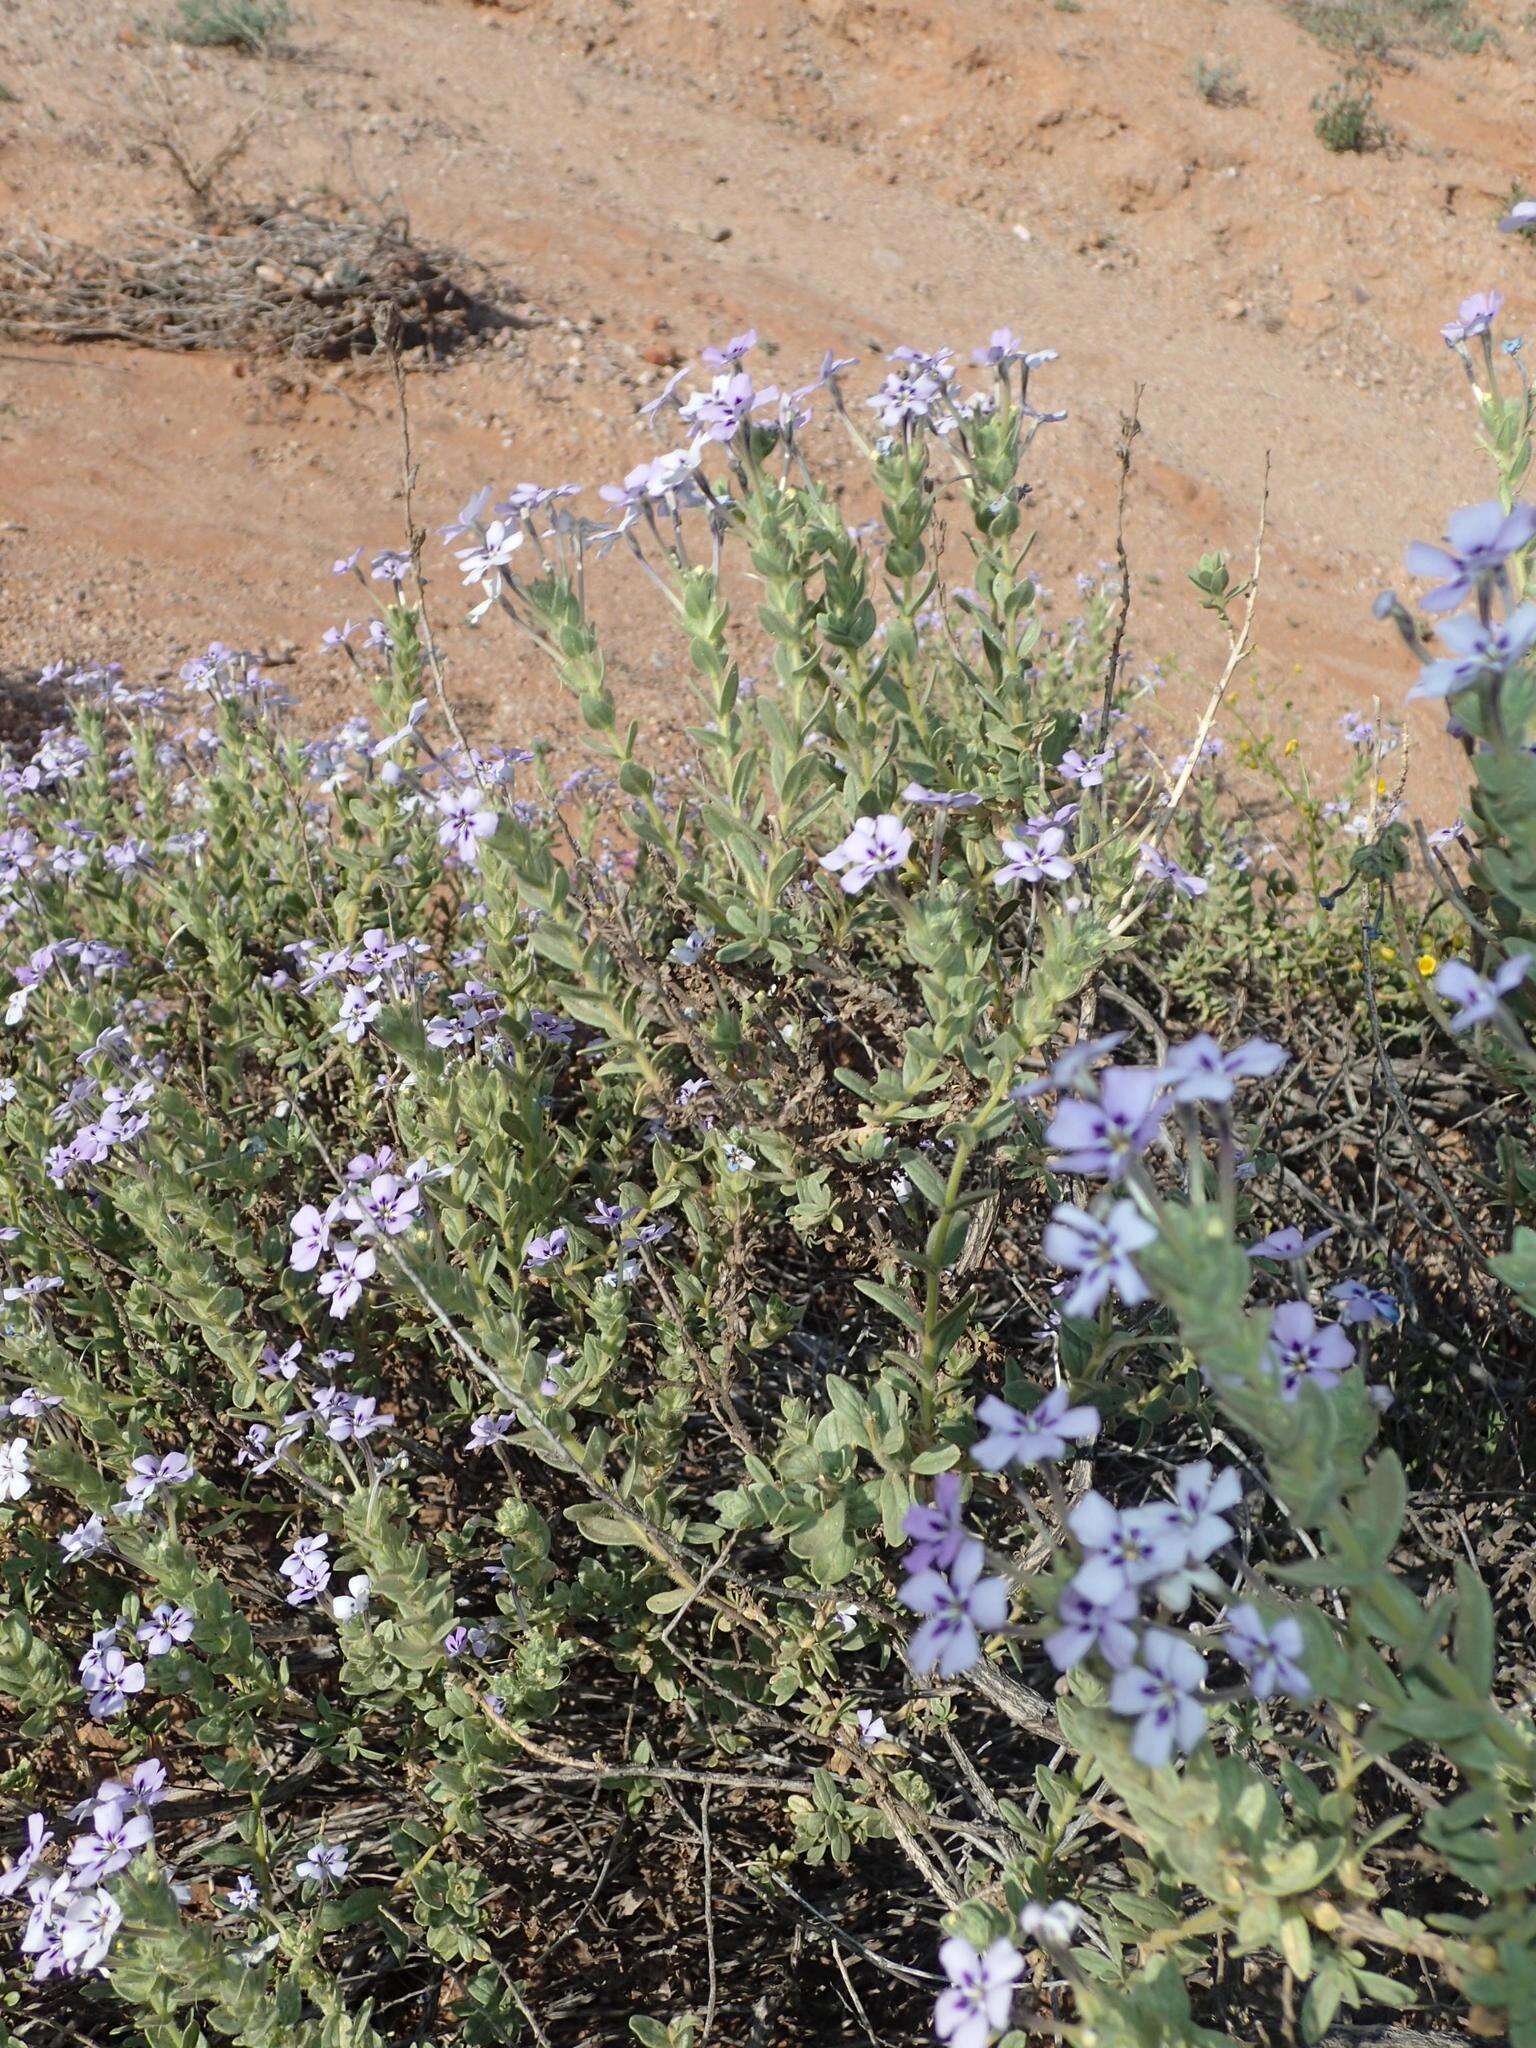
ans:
(1476, 997)
(86, 1540)
(1520, 219)
(1087, 774)
(1097, 1610)
(39, 1841)
(960, 1605)
(109, 1680)
(1480, 652)
(1041, 1437)
(166, 1626)
(244, 1896)
(1361, 1304)
(1288, 1243)
(1159, 1693)
(1270, 1655)
(1479, 541)
(940, 800)
(935, 1531)
(1098, 1249)
(1475, 315)
(732, 351)
(1071, 1066)
(1034, 858)
(1142, 1543)
(545, 1251)
(308, 1570)
(1162, 867)
(342, 1283)
(486, 1430)
(85, 1932)
(118, 1838)
(976, 2007)
(149, 1475)
(311, 1231)
(466, 820)
(1201, 1072)
(1299, 1348)
(1201, 1499)
(875, 846)
(325, 1864)
(15, 1475)
(1105, 1137)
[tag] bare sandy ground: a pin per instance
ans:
(645, 176)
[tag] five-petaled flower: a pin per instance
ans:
(875, 846)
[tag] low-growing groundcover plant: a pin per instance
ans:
(849, 1348)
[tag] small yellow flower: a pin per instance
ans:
(1385, 954)
(1291, 746)
(1427, 963)
(1381, 785)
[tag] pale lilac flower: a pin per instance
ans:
(1200, 1071)
(15, 1469)
(1475, 315)
(1288, 1243)
(325, 1864)
(308, 1570)
(281, 1365)
(1202, 1497)
(934, 1529)
(875, 846)
(1479, 541)
(30, 1403)
(871, 1728)
(85, 1933)
(940, 800)
(1271, 1655)
(1143, 1543)
(486, 1430)
(1071, 1066)
(390, 1205)
(149, 1475)
(1480, 652)
(109, 1680)
(546, 1251)
(39, 1841)
(732, 351)
(1053, 1923)
(1365, 1305)
(1162, 867)
(1106, 1136)
(311, 1231)
(1098, 1249)
(1477, 997)
(166, 1627)
(1041, 1437)
(1520, 219)
(1004, 347)
(358, 1010)
(960, 1605)
(118, 1838)
(85, 1540)
(244, 1895)
(1086, 773)
(483, 561)
(354, 1603)
(1034, 858)
(466, 820)
(976, 2007)
(1299, 1349)
(1097, 1610)
(1159, 1693)
(342, 1283)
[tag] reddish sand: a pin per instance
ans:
(646, 176)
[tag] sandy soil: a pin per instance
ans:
(645, 176)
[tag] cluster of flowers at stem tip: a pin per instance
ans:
(730, 416)
(73, 1915)
(1126, 1579)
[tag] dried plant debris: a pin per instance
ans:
(299, 278)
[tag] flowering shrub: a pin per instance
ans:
(765, 1292)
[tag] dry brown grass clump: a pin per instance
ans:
(284, 278)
